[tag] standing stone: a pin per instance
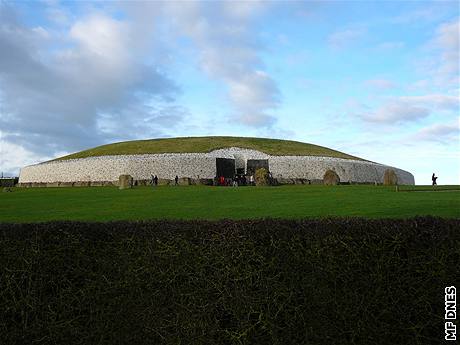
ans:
(390, 178)
(331, 178)
(261, 177)
(125, 182)
(184, 181)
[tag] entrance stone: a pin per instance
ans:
(254, 164)
(261, 177)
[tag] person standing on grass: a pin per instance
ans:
(176, 180)
(156, 180)
(433, 179)
(153, 180)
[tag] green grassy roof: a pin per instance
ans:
(206, 144)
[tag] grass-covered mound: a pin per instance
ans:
(206, 144)
(332, 281)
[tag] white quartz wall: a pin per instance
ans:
(202, 165)
(313, 168)
(109, 168)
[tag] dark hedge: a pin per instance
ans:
(330, 281)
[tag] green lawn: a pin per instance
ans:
(200, 202)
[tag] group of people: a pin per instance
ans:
(237, 180)
(154, 180)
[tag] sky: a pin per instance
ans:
(374, 79)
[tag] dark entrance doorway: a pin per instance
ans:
(254, 164)
(240, 171)
(225, 167)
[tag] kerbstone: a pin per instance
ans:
(125, 182)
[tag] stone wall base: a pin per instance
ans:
(298, 181)
(185, 181)
(68, 184)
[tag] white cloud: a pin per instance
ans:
(449, 133)
(380, 84)
(40, 31)
(56, 100)
(447, 41)
(419, 85)
(228, 52)
(58, 15)
(346, 37)
(396, 111)
(447, 35)
(13, 157)
(423, 13)
(249, 96)
(410, 108)
(436, 101)
(102, 36)
(441, 56)
(243, 9)
(417, 15)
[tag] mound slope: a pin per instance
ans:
(273, 147)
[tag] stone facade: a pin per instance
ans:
(200, 166)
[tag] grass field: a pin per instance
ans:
(206, 144)
(200, 202)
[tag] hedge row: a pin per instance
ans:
(330, 281)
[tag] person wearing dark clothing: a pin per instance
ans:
(155, 180)
(433, 179)
(176, 180)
